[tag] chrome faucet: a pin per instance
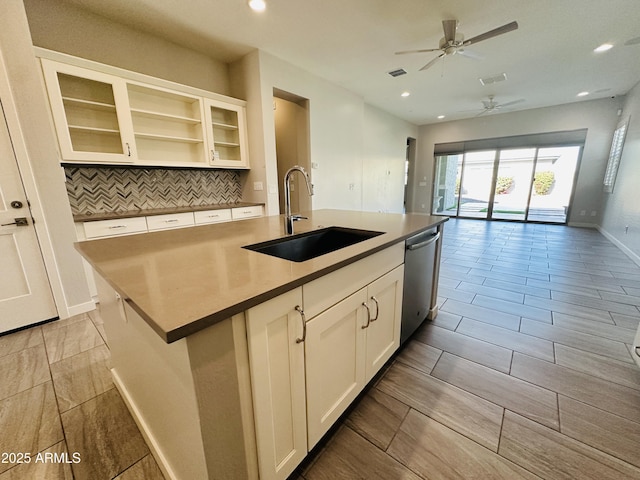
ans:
(288, 218)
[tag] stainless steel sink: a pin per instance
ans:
(305, 246)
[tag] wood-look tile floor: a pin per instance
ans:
(526, 373)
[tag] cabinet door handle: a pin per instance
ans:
(128, 149)
(304, 325)
(637, 350)
(364, 304)
(377, 308)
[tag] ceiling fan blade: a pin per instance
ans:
(512, 103)
(492, 33)
(432, 62)
(403, 52)
(449, 27)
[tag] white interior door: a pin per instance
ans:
(25, 293)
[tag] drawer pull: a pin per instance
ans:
(214, 216)
(304, 325)
(113, 227)
(172, 220)
(364, 304)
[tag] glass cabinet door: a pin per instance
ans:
(226, 134)
(90, 113)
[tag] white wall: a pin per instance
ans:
(60, 26)
(385, 146)
(598, 116)
(359, 150)
(33, 116)
(622, 207)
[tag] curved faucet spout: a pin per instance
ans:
(288, 217)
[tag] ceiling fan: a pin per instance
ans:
(491, 106)
(453, 43)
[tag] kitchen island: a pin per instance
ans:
(228, 358)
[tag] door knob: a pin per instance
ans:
(18, 222)
(16, 204)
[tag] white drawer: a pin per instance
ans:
(326, 291)
(111, 228)
(171, 220)
(241, 213)
(212, 216)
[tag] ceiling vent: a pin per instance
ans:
(398, 72)
(501, 77)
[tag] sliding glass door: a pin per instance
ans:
(513, 184)
(522, 184)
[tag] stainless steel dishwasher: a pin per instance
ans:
(421, 268)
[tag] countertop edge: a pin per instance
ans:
(175, 334)
(171, 336)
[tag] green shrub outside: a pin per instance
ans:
(543, 182)
(503, 184)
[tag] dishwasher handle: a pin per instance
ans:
(432, 239)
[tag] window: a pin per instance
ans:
(614, 155)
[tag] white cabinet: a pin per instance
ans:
(112, 228)
(335, 349)
(240, 213)
(90, 113)
(306, 372)
(346, 346)
(275, 332)
(108, 119)
(212, 216)
(171, 220)
(384, 299)
(167, 126)
(226, 134)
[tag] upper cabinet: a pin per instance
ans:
(226, 134)
(90, 114)
(108, 119)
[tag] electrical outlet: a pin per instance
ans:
(593, 213)
(352, 186)
(258, 186)
(583, 213)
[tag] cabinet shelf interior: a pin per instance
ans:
(90, 104)
(165, 116)
(167, 138)
(84, 128)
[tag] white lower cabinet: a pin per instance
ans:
(304, 375)
(346, 346)
(275, 331)
(335, 352)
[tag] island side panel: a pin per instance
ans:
(220, 365)
(156, 383)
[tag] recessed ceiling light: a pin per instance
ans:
(603, 48)
(440, 117)
(583, 94)
(257, 5)
(405, 94)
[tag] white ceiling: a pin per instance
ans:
(548, 60)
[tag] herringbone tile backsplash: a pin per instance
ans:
(107, 189)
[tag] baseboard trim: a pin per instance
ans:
(626, 250)
(582, 225)
(80, 308)
(153, 445)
